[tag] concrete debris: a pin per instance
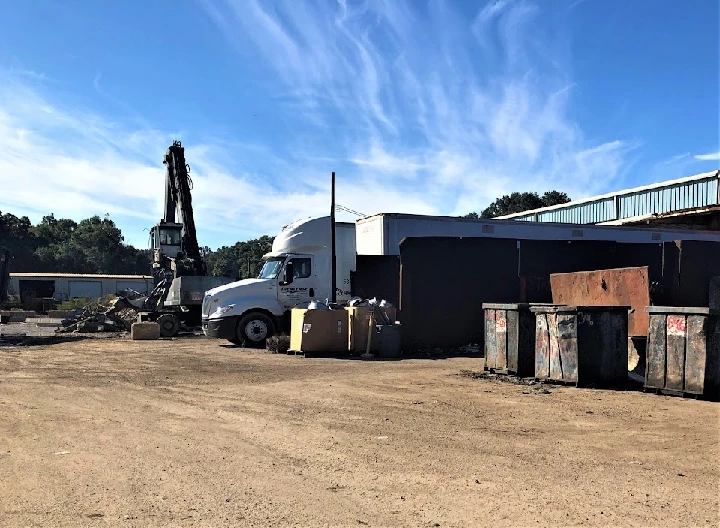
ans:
(147, 330)
(116, 316)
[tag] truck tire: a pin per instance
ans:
(253, 330)
(169, 325)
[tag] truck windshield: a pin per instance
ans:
(271, 268)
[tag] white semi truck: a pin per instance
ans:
(296, 271)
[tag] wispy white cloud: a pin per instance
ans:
(418, 107)
(468, 107)
(76, 163)
(672, 167)
(712, 156)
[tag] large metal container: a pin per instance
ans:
(318, 330)
(359, 325)
(190, 290)
(389, 340)
(683, 352)
(581, 345)
(607, 287)
(510, 338)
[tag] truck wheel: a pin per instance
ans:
(254, 329)
(169, 325)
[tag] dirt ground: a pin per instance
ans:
(191, 433)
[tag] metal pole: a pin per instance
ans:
(333, 274)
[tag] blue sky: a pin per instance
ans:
(423, 107)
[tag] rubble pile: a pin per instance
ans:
(116, 316)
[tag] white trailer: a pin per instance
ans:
(381, 234)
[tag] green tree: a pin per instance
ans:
(555, 198)
(96, 245)
(244, 259)
(53, 231)
(16, 235)
(518, 202)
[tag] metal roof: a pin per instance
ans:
(80, 276)
(692, 192)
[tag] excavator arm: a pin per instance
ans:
(178, 198)
(177, 255)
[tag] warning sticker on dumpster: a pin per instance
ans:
(675, 325)
(306, 328)
(500, 322)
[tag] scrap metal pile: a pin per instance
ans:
(116, 316)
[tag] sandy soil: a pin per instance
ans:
(192, 433)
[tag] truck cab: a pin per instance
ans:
(295, 272)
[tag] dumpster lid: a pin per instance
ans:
(686, 310)
(514, 306)
(553, 308)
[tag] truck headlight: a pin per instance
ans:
(224, 309)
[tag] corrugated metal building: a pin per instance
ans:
(694, 195)
(64, 286)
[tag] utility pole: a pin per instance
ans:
(333, 275)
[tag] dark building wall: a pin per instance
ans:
(377, 276)
(444, 282)
(698, 262)
(538, 259)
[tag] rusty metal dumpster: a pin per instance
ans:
(683, 352)
(510, 338)
(581, 345)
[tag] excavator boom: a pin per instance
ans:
(178, 198)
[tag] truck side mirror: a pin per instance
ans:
(289, 273)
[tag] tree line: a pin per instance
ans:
(96, 245)
(518, 202)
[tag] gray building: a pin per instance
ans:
(64, 286)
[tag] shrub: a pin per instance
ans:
(278, 344)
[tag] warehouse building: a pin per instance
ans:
(63, 286)
(685, 203)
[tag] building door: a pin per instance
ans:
(86, 289)
(33, 291)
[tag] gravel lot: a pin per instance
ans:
(191, 432)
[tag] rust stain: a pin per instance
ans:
(611, 287)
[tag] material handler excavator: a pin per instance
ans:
(178, 267)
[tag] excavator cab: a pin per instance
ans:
(167, 238)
